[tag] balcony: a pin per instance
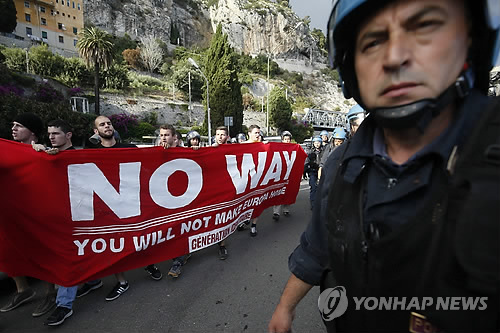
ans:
(45, 2)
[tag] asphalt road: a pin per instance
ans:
(235, 295)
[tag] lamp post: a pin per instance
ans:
(192, 62)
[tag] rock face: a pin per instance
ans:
(253, 26)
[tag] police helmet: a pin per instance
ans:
(192, 135)
(241, 137)
(339, 133)
(355, 112)
(286, 133)
(317, 139)
(323, 132)
(347, 15)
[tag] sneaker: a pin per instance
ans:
(154, 272)
(87, 287)
(117, 291)
(18, 299)
(276, 216)
(47, 304)
(223, 253)
(175, 270)
(253, 230)
(286, 213)
(58, 316)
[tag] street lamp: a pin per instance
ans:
(192, 62)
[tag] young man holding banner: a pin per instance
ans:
(104, 128)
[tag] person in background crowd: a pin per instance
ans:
(286, 137)
(355, 117)
(241, 137)
(338, 137)
(324, 138)
(311, 167)
(400, 201)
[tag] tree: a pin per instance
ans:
(280, 109)
(320, 39)
(225, 89)
(96, 49)
(151, 53)
(132, 57)
(9, 12)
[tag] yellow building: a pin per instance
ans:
(56, 23)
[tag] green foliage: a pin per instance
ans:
(15, 59)
(213, 3)
(8, 10)
(180, 77)
(319, 38)
(301, 103)
(151, 118)
(257, 64)
(43, 62)
(74, 73)
(11, 105)
(225, 89)
(145, 81)
(116, 77)
(142, 129)
(174, 33)
(280, 109)
(331, 73)
(300, 130)
(121, 44)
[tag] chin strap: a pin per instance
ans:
(420, 113)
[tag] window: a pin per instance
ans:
(74, 17)
(59, 26)
(27, 4)
(67, 2)
(73, 4)
(64, 14)
(57, 12)
(75, 31)
(29, 31)
(27, 17)
(43, 21)
(42, 9)
(57, 1)
(52, 12)
(61, 39)
(44, 34)
(75, 41)
(78, 6)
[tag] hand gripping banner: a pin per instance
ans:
(85, 214)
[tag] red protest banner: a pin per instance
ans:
(84, 214)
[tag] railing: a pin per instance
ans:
(325, 119)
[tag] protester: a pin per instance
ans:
(59, 133)
(104, 128)
(26, 128)
(254, 136)
(286, 137)
(409, 206)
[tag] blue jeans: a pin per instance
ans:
(313, 184)
(66, 296)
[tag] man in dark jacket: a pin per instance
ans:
(409, 208)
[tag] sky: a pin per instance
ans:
(318, 10)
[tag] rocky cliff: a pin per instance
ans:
(253, 26)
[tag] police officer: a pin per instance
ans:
(324, 137)
(193, 139)
(403, 218)
(355, 117)
(311, 167)
(339, 135)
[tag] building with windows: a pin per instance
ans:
(56, 23)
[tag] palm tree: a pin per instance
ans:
(95, 47)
